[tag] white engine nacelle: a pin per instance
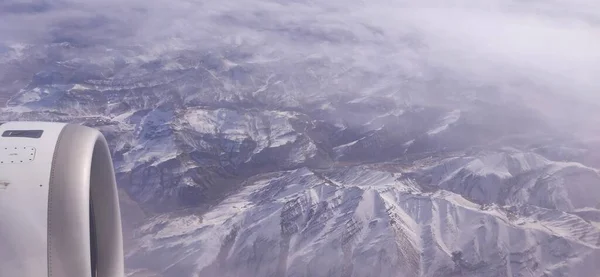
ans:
(59, 208)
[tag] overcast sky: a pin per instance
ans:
(552, 43)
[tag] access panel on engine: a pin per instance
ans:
(16, 154)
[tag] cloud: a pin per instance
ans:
(554, 46)
(559, 51)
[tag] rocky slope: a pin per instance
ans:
(366, 221)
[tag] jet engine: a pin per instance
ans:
(59, 208)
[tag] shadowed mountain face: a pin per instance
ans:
(288, 138)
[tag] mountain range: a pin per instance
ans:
(236, 162)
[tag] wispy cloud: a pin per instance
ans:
(554, 45)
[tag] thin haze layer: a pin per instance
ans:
(532, 49)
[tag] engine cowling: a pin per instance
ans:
(59, 208)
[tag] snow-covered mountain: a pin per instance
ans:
(367, 221)
(292, 138)
(363, 186)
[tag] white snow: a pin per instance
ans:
(448, 120)
(374, 213)
(237, 126)
(79, 87)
